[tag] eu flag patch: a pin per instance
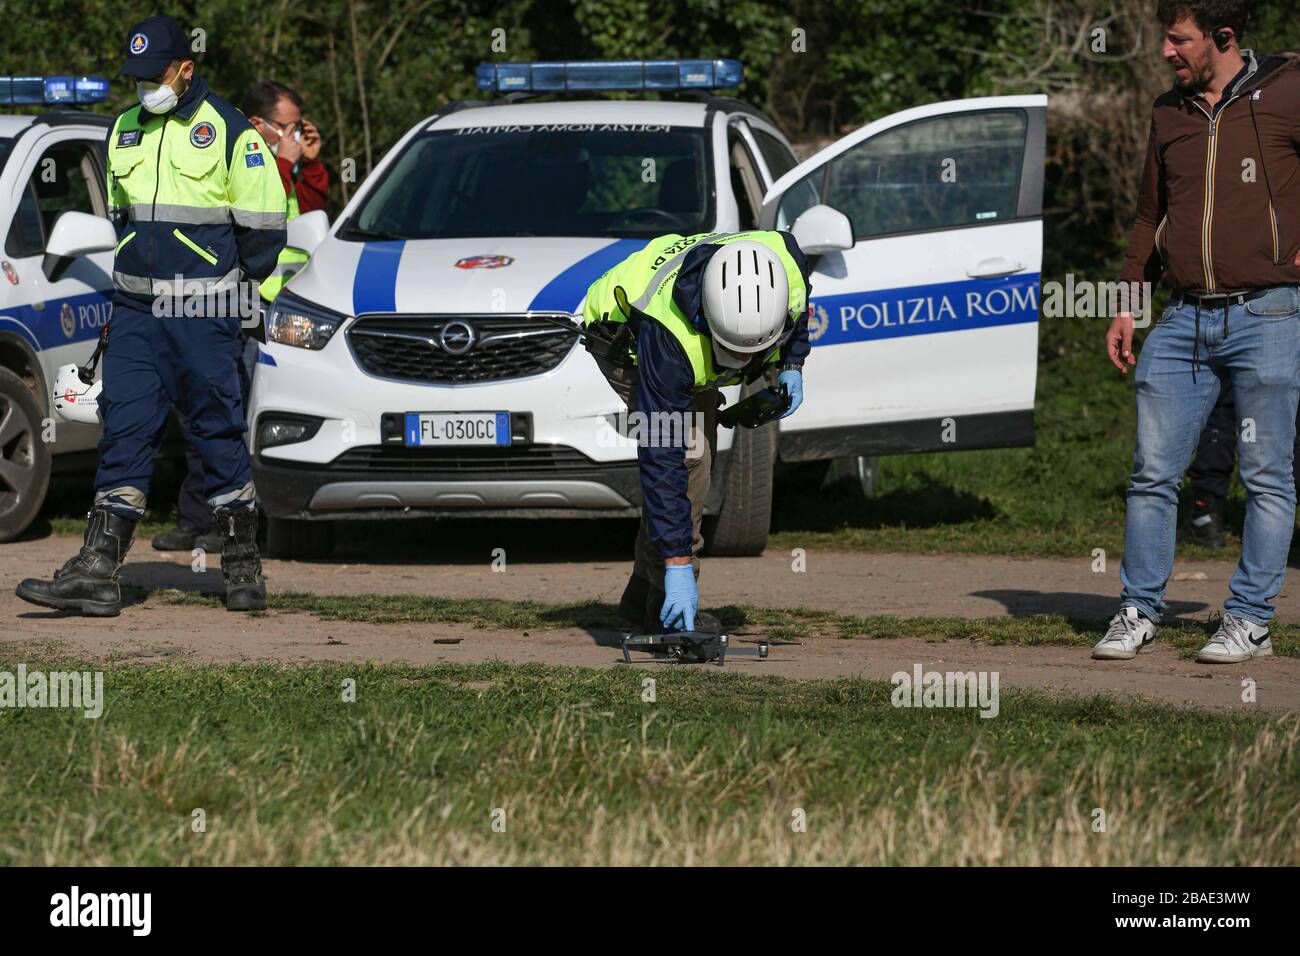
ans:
(253, 159)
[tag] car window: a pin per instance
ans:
(26, 236)
(578, 180)
(938, 173)
(65, 179)
(776, 154)
(745, 185)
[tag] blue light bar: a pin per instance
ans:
(609, 75)
(52, 90)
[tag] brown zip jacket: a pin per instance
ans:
(1219, 206)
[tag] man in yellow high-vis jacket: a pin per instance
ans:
(669, 326)
(200, 211)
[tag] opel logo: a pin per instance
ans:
(456, 338)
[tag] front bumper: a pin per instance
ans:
(394, 481)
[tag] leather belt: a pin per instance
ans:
(1218, 300)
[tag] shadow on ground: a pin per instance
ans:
(1084, 611)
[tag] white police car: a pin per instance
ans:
(56, 280)
(415, 367)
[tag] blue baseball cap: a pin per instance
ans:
(151, 46)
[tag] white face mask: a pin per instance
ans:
(156, 97)
(275, 148)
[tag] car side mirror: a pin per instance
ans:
(821, 229)
(76, 234)
(307, 231)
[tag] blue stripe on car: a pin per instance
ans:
(564, 293)
(923, 309)
(374, 287)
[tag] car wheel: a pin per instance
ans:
(293, 539)
(740, 527)
(24, 457)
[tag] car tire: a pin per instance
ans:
(296, 540)
(24, 457)
(740, 527)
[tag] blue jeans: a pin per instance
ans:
(1254, 349)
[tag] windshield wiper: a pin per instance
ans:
(372, 235)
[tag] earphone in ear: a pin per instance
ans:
(1222, 38)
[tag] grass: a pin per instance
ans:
(713, 771)
(777, 623)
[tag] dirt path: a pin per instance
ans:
(907, 585)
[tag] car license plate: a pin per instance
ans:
(457, 428)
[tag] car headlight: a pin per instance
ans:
(301, 324)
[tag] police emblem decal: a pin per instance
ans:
(818, 321)
(484, 262)
(67, 320)
(203, 135)
(139, 43)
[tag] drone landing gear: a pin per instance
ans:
(688, 647)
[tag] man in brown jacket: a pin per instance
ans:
(1219, 222)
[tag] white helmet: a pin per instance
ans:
(74, 400)
(746, 296)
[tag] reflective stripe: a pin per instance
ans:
(125, 239)
(123, 497)
(258, 220)
(198, 250)
(239, 495)
(176, 288)
(183, 215)
(662, 272)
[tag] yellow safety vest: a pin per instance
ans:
(644, 281)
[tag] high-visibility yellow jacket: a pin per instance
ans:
(196, 197)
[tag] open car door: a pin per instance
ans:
(924, 324)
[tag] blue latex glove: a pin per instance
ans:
(681, 598)
(792, 379)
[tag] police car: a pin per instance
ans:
(416, 365)
(56, 278)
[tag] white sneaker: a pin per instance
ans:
(1128, 635)
(1235, 641)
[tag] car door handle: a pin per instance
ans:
(994, 268)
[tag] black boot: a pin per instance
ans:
(180, 538)
(1205, 524)
(88, 583)
(241, 564)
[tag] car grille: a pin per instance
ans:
(435, 463)
(424, 348)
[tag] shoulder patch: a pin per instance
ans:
(203, 134)
(253, 159)
(129, 137)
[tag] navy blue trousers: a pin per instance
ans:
(152, 363)
(192, 501)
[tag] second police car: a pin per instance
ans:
(415, 366)
(56, 283)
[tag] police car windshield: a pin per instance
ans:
(571, 180)
(4, 150)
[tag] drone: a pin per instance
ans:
(688, 647)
